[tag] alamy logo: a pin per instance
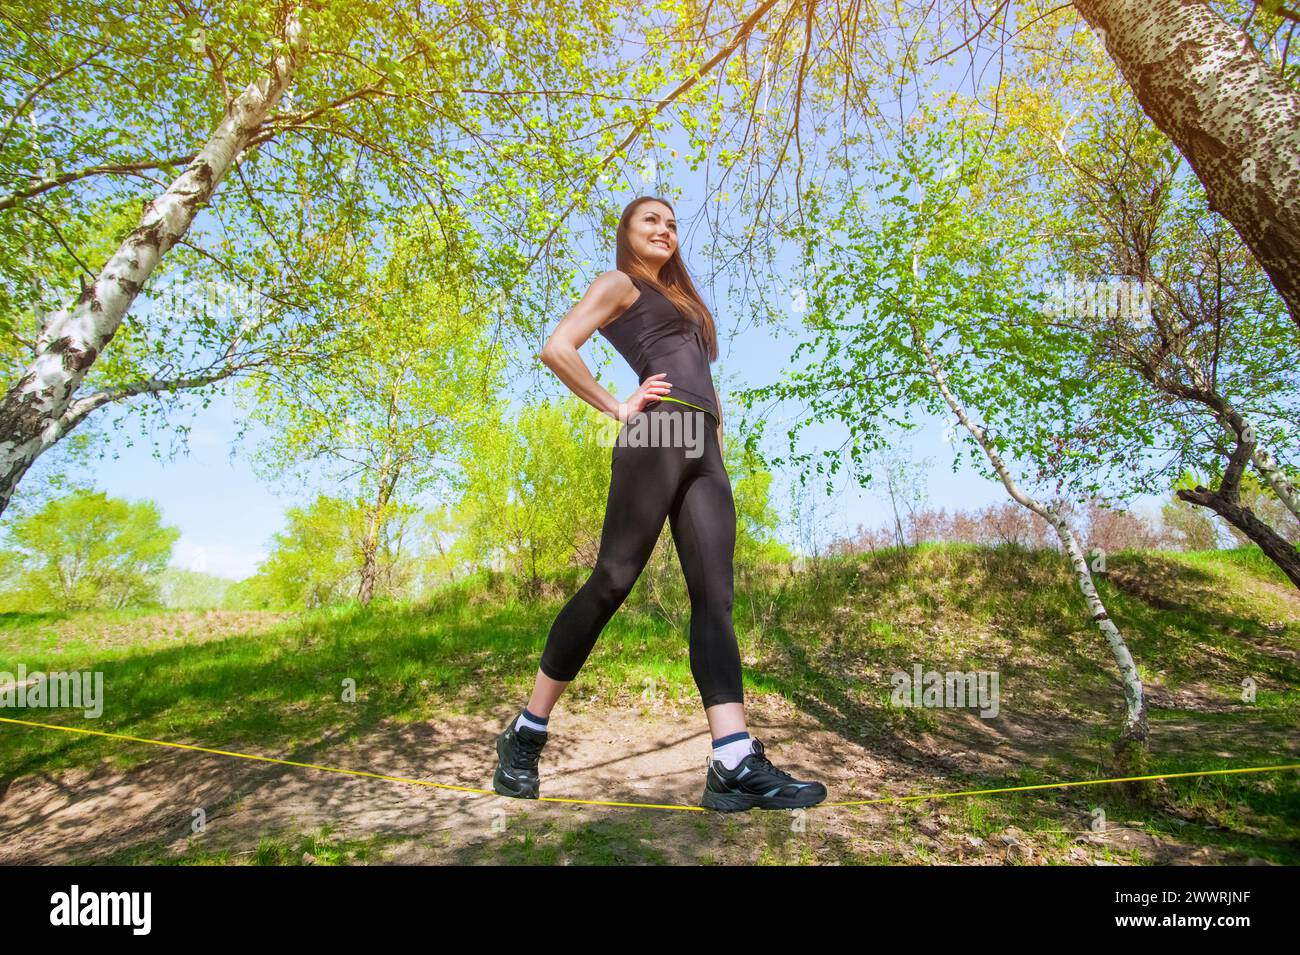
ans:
(102, 908)
(664, 429)
(82, 690)
(1114, 298)
(953, 689)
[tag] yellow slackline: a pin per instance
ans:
(640, 805)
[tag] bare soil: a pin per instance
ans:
(646, 755)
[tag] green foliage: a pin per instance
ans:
(382, 121)
(924, 258)
(1112, 201)
(258, 592)
(1198, 526)
(409, 381)
(533, 490)
(86, 550)
(314, 562)
(178, 587)
(756, 519)
(1191, 525)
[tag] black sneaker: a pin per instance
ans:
(757, 784)
(517, 754)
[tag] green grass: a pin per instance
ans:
(826, 640)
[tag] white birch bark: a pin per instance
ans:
(1263, 459)
(1267, 467)
(1236, 121)
(39, 408)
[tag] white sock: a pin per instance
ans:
(730, 754)
(532, 721)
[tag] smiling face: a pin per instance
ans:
(652, 232)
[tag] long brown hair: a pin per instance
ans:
(672, 282)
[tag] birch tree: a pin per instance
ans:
(1218, 79)
(947, 326)
(285, 129)
(38, 409)
(1135, 730)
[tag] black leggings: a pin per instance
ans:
(646, 485)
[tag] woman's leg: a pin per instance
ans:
(703, 521)
(641, 487)
(725, 719)
(545, 692)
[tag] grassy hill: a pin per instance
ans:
(821, 644)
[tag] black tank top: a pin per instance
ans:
(654, 337)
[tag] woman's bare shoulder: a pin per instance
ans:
(614, 281)
(614, 289)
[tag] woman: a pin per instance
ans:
(649, 309)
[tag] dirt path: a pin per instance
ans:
(604, 753)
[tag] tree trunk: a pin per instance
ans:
(1267, 467)
(1273, 544)
(370, 549)
(1235, 121)
(33, 414)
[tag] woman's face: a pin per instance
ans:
(652, 232)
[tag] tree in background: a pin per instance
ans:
(904, 481)
(413, 378)
(533, 492)
(257, 592)
(1002, 524)
(316, 560)
(86, 550)
(178, 587)
(10, 569)
(1255, 497)
(257, 137)
(433, 540)
(757, 520)
(1187, 526)
(1111, 529)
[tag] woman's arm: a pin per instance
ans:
(608, 297)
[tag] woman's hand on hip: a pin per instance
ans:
(651, 390)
